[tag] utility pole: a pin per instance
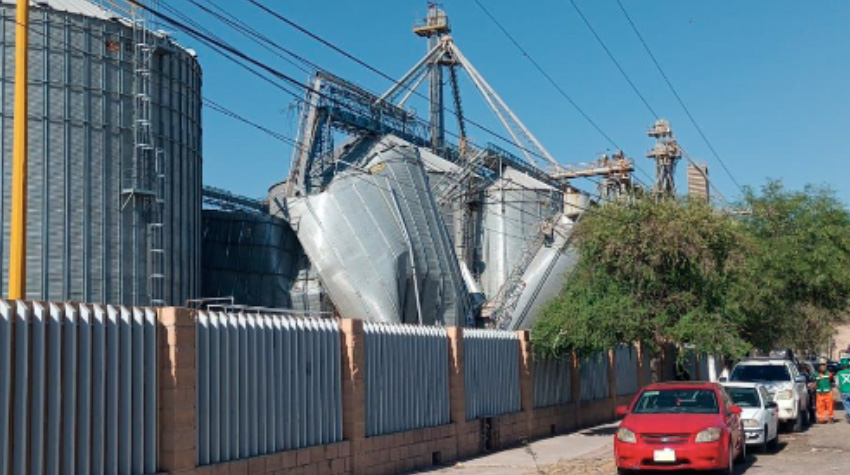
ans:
(17, 256)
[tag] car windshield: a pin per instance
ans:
(677, 401)
(758, 373)
(744, 397)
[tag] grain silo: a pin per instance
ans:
(114, 207)
(514, 207)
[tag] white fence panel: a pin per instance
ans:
(594, 377)
(626, 369)
(553, 381)
(265, 384)
(54, 389)
(491, 373)
(407, 378)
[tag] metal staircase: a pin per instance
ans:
(502, 304)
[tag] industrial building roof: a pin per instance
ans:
(82, 7)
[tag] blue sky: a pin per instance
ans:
(766, 80)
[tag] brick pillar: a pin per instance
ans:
(354, 389)
(177, 452)
(526, 380)
(466, 435)
(612, 382)
(575, 386)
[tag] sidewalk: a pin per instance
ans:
(548, 451)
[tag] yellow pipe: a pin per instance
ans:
(17, 256)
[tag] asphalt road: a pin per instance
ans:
(821, 449)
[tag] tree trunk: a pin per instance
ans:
(656, 365)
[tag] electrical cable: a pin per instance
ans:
(555, 83)
(377, 71)
(678, 98)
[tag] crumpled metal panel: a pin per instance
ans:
(377, 240)
(512, 211)
(545, 276)
(594, 377)
(625, 369)
(553, 381)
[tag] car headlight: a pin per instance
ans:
(627, 436)
(712, 434)
(751, 423)
(785, 394)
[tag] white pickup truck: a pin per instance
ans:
(784, 384)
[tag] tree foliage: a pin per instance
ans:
(682, 272)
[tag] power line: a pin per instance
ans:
(555, 84)
(613, 59)
(377, 71)
(547, 76)
(678, 98)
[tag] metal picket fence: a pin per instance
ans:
(594, 377)
(265, 383)
(78, 389)
(491, 373)
(626, 369)
(407, 378)
(553, 381)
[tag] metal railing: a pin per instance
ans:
(265, 384)
(78, 389)
(490, 373)
(407, 378)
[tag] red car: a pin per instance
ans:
(680, 426)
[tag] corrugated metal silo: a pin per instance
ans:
(513, 208)
(85, 241)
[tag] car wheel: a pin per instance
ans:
(623, 471)
(774, 443)
(742, 455)
(730, 464)
(798, 422)
(765, 444)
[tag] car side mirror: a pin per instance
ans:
(735, 409)
(771, 405)
(622, 411)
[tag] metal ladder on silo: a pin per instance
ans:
(156, 234)
(147, 190)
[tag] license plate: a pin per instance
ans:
(666, 455)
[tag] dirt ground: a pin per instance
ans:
(822, 449)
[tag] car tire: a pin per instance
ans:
(774, 443)
(798, 422)
(742, 455)
(765, 444)
(623, 471)
(730, 463)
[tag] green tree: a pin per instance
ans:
(798, 273)
(656, 272)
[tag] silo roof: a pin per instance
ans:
(82, 7)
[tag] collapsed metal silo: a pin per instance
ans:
(376, 238)
(114, 209)
(512, 210)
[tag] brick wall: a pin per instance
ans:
(358, 454)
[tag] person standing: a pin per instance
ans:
(842, 379)
(823, 385)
